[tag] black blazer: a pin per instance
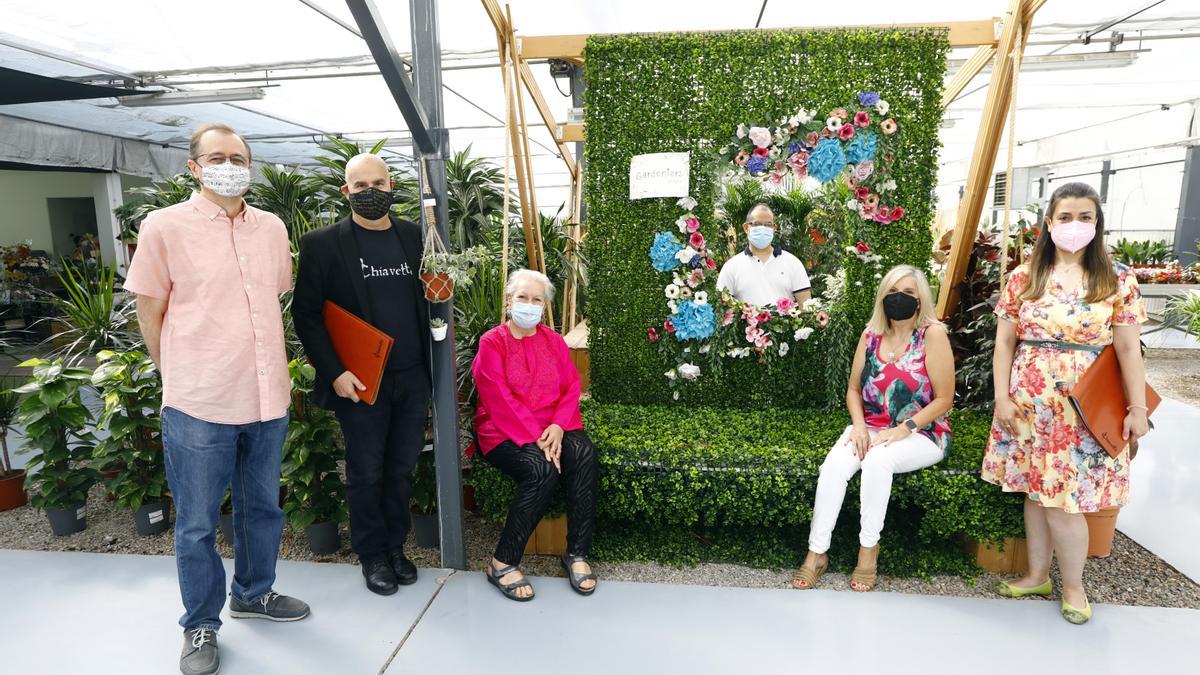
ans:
(330, 269)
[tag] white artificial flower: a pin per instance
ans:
(700, 298)
(759, 136)
(803, 333)
(833, 124)
(741, 131)
(812, 303)
(794, 312)
(681, 224)
(783, 348)
(686, 254)
(852, 204)
(878, 275)
(773, 153)
(686, 203)
(673, 306)
(811, 186)
(672, 291)
(882, 107)
(704, 348)
(675, 396)
(689, 371)
(670, 375)
(804, 116)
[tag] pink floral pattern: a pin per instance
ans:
(894, 392)
(1054, 460)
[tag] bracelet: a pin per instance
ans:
(1131, 407)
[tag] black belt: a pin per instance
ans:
(1064, 346)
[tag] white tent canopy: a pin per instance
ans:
(317, 77)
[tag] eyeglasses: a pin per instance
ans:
(218, 158)
(760, 223)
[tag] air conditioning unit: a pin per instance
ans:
(1028, 186)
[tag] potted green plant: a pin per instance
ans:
(437, 326)
(12, 481)
(315, 500)
(56, 438)
(129, 385)
(424, 501)
(442, 271)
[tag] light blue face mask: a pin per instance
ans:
(761, 236)
(526, 315)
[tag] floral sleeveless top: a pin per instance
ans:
(894, 392)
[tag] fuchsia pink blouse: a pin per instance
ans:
(524, 386)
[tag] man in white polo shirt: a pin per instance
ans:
(763, 272)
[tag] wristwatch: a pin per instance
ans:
(912, 426)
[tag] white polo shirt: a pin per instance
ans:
(760, 283)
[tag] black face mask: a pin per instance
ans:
(371, 203)
(899, 306)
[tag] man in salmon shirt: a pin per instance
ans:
(208, 274)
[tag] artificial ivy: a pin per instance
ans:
(687, 92)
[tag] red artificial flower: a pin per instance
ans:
(861, 119)
(761, 152)
(897, 213)
(861, 247)
(883, 217)
(710, 263)
(846, 132)
(652, 334)
(861, 193)
(817, 238)
(669, 326)
(696, 240)
(764, 316)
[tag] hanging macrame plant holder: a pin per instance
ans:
(439, 286)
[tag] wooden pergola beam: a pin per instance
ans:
(570, 47)
(543, 108)
(572, 132)
(974, 65)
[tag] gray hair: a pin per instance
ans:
(520, 275)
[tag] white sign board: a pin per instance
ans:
(660, 174)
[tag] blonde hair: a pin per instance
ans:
(516, 277)
(926, 312)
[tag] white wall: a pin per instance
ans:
(23, 194)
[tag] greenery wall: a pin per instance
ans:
(687, 92)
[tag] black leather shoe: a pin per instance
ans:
(406, 571)
(380, 577)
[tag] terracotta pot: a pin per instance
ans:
(1101, 526)
(12, 491)
(438, 286)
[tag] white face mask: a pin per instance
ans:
(226, 179)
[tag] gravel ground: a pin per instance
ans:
(1130, 576)
(1175, 373)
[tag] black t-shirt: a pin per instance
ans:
(391, 290)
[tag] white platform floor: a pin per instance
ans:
(96, 613)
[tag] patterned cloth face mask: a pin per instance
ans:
(227, 180)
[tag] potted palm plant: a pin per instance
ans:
(56, 438)
(424, 501)
(12, 481)
(132, 393)
(315, 500)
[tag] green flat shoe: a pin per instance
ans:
(1077, 616)
(1009, 591)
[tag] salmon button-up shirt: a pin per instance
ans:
(222, 353)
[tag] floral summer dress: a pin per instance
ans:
(894, 392)
(1055, 460)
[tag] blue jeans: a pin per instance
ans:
(204, 458)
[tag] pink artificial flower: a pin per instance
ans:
(861, 119)
(741, 158)
(867, 211)
(754, 334)
(652, 334)
(693, 224)
(839, 113)
(850, 182)
(696, 240)
(764, 316)
(897, 213)
(863, 170)
(823, 319)
(685, 293)
(882, 215)
(861, 247)
(761, 152)
(728, 318)
(798, 159)
(800, 171)
(812, 138)
(872, 200)
(669, 326)
(888, 126)
(784, 304)
(710, 263)
(846, 132)
(861, 193)
(826, 133)
(776, 178)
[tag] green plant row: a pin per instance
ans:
(741, 477)
(686, 92)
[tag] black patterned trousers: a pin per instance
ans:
(537, 480)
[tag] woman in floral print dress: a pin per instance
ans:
(1057, 313)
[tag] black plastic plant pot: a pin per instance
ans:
(425, 529)
(152, 518)
(67, 521)
(226, 525)
(323, 538)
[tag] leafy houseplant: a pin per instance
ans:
(132, 393)
(1142, 252)
(12, 481)
(424, 501)
(55, 418)
(96, 317)
(442, 271)
(315, 497)
(437, 326)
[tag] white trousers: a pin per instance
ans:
(840, 465)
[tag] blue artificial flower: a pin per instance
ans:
(862, 147)
(696, 261)
(793, 148)
(694, 321)
(868, 97)
(756, 165)
(826, 160)
(662, 253)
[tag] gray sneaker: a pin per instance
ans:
(272, 606)
(199, 656)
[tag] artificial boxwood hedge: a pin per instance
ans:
(687, 92)
(680, 485)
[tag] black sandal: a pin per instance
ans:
(509, 590)
(577, 579)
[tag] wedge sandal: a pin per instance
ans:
(809, 576)
(863, 580)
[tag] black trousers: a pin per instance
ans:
(382, 445)
(536, 481)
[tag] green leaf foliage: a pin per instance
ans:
(129, 385)
(310, 457)
(56, 440)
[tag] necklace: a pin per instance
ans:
(891, 352)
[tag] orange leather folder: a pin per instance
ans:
(1099, 401)
(362, 348)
